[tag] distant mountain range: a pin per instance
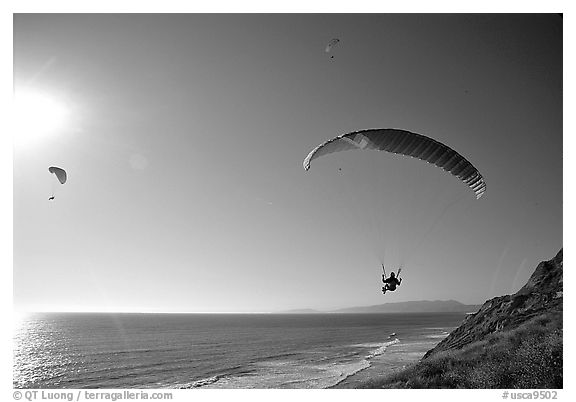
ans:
(421, 306)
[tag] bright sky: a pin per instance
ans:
(183, 137)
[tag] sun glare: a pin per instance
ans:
(36, 115)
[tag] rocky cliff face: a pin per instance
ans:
(541, 294)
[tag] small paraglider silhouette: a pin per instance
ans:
(330, 45)
(60, 174)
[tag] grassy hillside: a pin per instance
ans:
(529, 356)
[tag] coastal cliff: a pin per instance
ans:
(512, 341)
(542, 294)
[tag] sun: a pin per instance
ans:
(36, 115)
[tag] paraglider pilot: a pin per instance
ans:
(391, 282)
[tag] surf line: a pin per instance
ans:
(379, 351)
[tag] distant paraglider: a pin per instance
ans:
(331, 45)
(60, 175)
(409, 144)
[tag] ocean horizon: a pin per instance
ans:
(219, 350)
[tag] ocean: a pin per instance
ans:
(184, 351)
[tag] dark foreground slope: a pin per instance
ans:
(513, 341)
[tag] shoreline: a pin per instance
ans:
(305, 362)
(396, 357)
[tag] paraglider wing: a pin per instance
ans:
(409, 144)
(60, 173)
(331, 44)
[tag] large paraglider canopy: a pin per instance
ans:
(60, 173)
(409, 144)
